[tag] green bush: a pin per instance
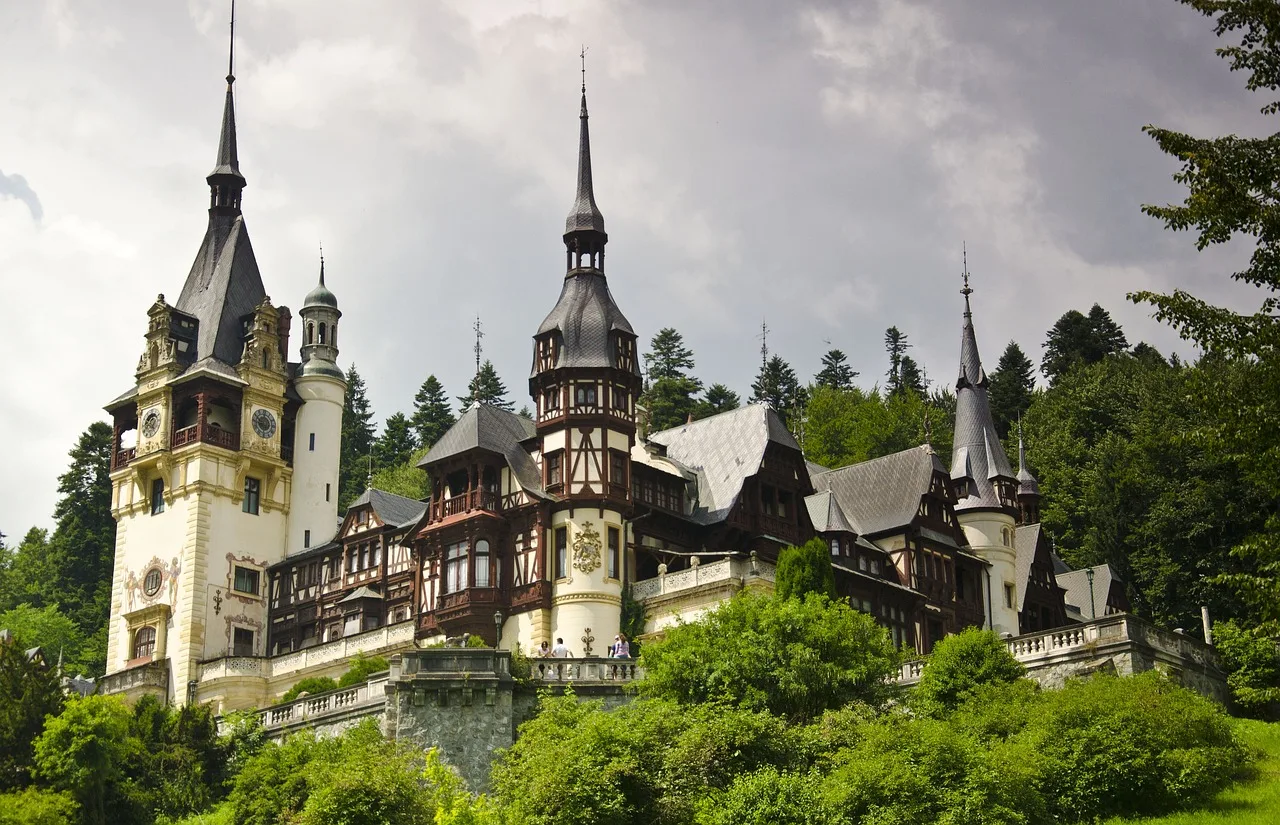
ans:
(1252, 664)
(361, 669)
(38, 807)
(309, 685)
(961, 664)
(789, 657)
(767, 797)
(805, 569)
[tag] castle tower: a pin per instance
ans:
(201, 474)
(986, 487)
(1028, 487)
(313, 518)
(584, 385)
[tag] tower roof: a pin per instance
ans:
(320, 296)
(228, 163)
(586, 316)
(977, 453)
(1027, 483)
(584, 215)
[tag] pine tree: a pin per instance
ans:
(396, 443)
(911, 377)
(357, 440)
(1080, 339)
(717, 399)
(1012, 385)
(777, 385)
(895, 343)
(82, 547)
(487, 388)
(432, 416)
(836, 373)
(668, 356)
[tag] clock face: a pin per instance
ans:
(151, 423)
(264, 423)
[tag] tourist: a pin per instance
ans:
(560, 651)
(543, 651)
(621, 648)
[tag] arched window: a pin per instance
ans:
(311, 333)
(455, 567)
(482, 563)
(144, 642)
(322, 332)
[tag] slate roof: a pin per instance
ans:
(977, 452)
(724, 450)
(1076, 583)
(389, 507)
(884, 493)
(586, 316)
(223, 286)
(584, 215)
(1059, 566)
(826, 515)
(362, 592)
(1027, 483)
(486, 427)
(1026, 539)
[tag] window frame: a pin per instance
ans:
(138, 643)
(560, 549)
(237, 570)
(482, 562)
(238, 647)
(613, 546)
(252, 496)
(157, 496)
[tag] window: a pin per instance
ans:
(584, 395)
(555, 473)
(455, 567)
(157, 496)
(251, 492)
(1008, 595)
(306, 538)
(311, 443)
(615, 552)
(326, 491)
(551, 399)
(875, 567)
(618, 469)
(246, 580)
(862, 563)
(482, 563)
(562, 552)
(241, 641)
(620, 399)
(835, 546)
(144, 642)
(151, 582)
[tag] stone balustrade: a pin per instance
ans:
(380, 640)
(586, 671)
(148, 677)
(696, 575)
(364, 699)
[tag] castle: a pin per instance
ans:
(235, 575)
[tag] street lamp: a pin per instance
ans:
(1093, 611)
(497, 628)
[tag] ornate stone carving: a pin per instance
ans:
(586, 549)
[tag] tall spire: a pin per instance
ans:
(225, 181)
(584, 228)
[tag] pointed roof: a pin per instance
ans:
(584, 215)
(586, 316)
(724, 450)
(390, 508)
(977, 453)
(826, 515)
(884, 493)
(320, 296)
(1026, 543)
(1076, 583)
(486, 427)
(228, 164)
(1027, 484)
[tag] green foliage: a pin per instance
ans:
(896, 344)
(29, 691)
(767, 797)
(961, 664)
(1011, 389)
(717, 399)
(405, 479)
(631, 622)
(836, 374)
(26, 572)
(1251, 660)
(178, 766)
(357, 440)
(84, 752)
(790, 657)
(1079, 340)
(670, 401)
(432, 416)
(668, 357)
(56, 633)
(487, 388)
(362, 667)
(846, 427)
(38, 807)
(805, 569)
(310, 685)
(776, 385)
(396, 444)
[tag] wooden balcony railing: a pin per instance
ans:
(123, 457)
(208, 434)
(475, 500)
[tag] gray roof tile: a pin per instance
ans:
(389, 507)
(977, 452)
(1026, 540)
(1076, 583)
(586, 317)
(883, 493)
(223, 286)
(496, 430)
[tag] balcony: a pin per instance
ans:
(207, 434)
(365, 699)
(727, 570)
(148, 677)
(123, 457)
(483, 500)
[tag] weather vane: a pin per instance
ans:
(231, 50)
(583, 54)
(964, 257)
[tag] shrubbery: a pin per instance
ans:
(962, 664)
(1252, 663)
(805, 569)
(309, 685)
(362, 667)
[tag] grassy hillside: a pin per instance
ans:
(1256, 802)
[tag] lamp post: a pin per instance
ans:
(1093, 611)
(497, 629)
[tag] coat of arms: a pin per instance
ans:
(586, 549)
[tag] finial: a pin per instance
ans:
(928, 430)
(966, 290)
(322, 263)
(231, 49)
(1022, 452)
(478, 347)
(369, 478)
(764, 344)
(583, 55)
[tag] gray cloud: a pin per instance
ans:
(16, 186)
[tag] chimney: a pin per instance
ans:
(285, 321)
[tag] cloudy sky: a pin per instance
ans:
(813, 165)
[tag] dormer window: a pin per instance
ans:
(584, 395)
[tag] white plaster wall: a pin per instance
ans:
(983, 532)
(585, 599)
(251, 541)
(321, 413)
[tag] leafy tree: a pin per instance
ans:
(487, 388)
(29, 691)
(1078, 339)
(396, 444)
(357, 440)
(405, 479)
(777, 386)
(805, 569)
(1012, 388)
(178, 765)
(362, 667)
(48, 628)
(1252, 665)
(896, 344)
(432, 416)
(768, 797)
(717, 399)
(34, 806)
(961, 664)
(309, 685)
(853, 426)
(791, 657)
(836, 374)
(668, 356)
(28, 572)
(84, 750)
